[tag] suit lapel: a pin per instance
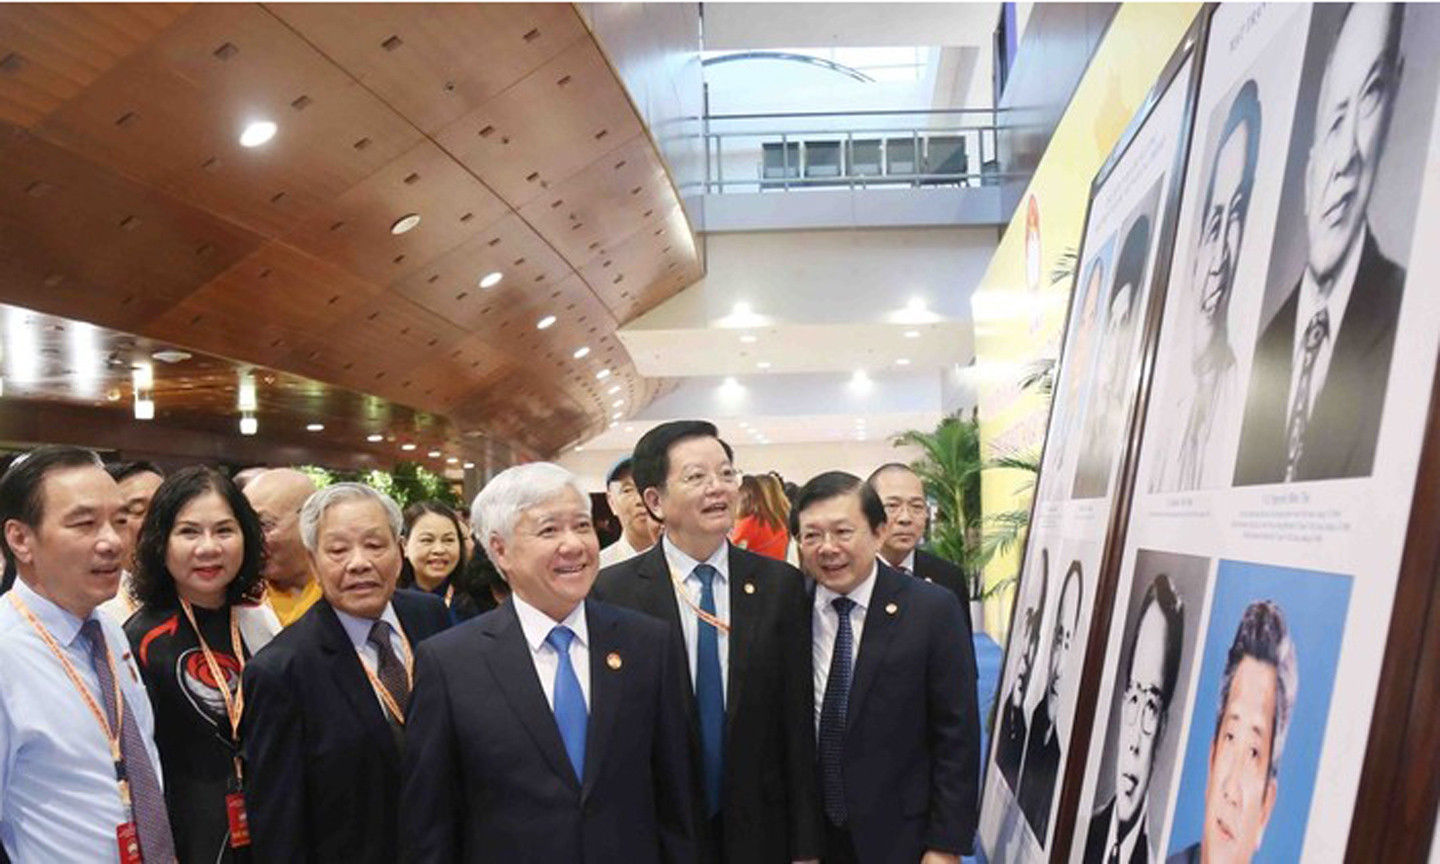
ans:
(607, 686)
(658, 589)
(349, 675)
(511, 664)
(880, 625)
(745, 607)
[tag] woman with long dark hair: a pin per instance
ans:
(436, 560)
(197, 579)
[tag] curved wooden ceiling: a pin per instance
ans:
(127, 201)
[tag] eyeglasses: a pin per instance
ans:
(1135, 699)
(916, 506)
(698, 479)
(814, 538)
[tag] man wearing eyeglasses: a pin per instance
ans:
(1119, 831)
(744, 622)
(907, 515)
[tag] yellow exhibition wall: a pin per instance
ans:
(1019, 308)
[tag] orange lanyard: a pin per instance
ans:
(712, 620)
(407, 660)
(112, 736)
(234, 704)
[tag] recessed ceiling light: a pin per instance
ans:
(375, 439)
(144, 409)
(579, 448)
(468, 465)
(912, 334)
(741, 309)
(618, 403)
(744, 424)
(545, 322)
(315, 427)
(249, 425)
(602, 374)
(730, 381)
(452, 461)
(629, 429)
(258, 133)
(763, 364)
(491, 279)
(747, 338)
(407, 447)
(903, 361)
(433, 454)
(613, 390)
(581, 352)
(405, 223)
(916, 304)
(171, 355)
(614, 423)
(617, 415)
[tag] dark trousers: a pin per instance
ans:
(839, 848)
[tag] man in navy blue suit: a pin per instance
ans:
(897, 727)
(552, 728)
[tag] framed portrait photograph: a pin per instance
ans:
(1280, 440)
(1131, 216)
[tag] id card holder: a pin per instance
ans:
(239, 822)
(127, 836)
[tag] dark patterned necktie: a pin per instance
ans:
(1315, 335)
(152, 821)
(710, 691)
(832, 715)
(389, 669)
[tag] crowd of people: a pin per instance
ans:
(198, 670)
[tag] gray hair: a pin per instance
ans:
(498, 506)
(316, 505)
(1263, 636)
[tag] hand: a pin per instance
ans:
(933, 857)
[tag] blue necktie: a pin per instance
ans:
(710, 691)
(570, 713)
(832, 715)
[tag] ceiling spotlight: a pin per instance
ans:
(468, 466)
(613, 390)
(258, 133)
(903, 361)
(602, 374)
(249, 425)
(617, 415)
(629, 429)
(315, 427)
(143, 376)
(912, 334)
(405, 223)
(763, 364)
(545, 322)
(144, 409)
(452, 461)
(618, 403)
(581, 352)
(579, 448)
(491, 279)
(407, 447)
(433, 454)
(375, 439)
(748, 338)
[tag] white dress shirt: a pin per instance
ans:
(683, 567)
(620, 550)
(358, 629)
(825, 627)
(59, 800)
(537, 625)
(1311, 301)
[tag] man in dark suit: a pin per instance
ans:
(743, 619)
(897, 725)
(1014, 730)
(325, 700)
(1120, 830)
(1043, 746)
(552, 728)
(1317, 389)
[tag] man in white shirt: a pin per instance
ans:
(638, 531)
(75, 722)
(1322, 363)
(550, 729)
(138, 482)
(899, 773)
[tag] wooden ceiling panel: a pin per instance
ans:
(653, 262)
(53, 51)
(450, 285)
(355, 232)
(602, 205)
(560, 118)
(436, 62)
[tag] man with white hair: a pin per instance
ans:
(550, 729)
(326, 701)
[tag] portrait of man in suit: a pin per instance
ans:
(1210, 400)
(551, 728)
(899, 774)
(1076, 367)
(743, 619)
(1257, 702)
(1120, 831)
(1010, 742)
(325, 701)
(1042, 746)
(1317, 388)
(1106, 416)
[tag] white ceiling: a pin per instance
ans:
(804, 429)
(740, 26)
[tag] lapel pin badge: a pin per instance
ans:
(749, 587)
(891, 608)
(613, 660)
